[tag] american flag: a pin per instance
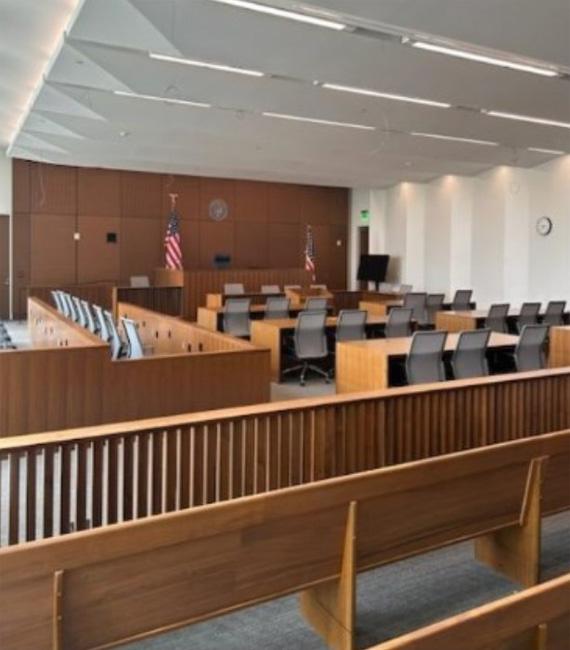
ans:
(310, 257)
(172, 246)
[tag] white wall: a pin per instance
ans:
(5, 183)
(479, 232)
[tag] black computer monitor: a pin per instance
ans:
(373, 268)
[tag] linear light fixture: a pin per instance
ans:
(166, 100)
(527, 118)
(376, 93)
(555, 152)
(483, 58)
(283, 13)
(205, 64)
(438, 136)
(314, 120)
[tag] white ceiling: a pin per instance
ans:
(76, 119)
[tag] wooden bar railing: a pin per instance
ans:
(121, 583)
(130, 470)
(164, 300)
(98, 293)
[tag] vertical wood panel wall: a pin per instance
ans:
(265, 227)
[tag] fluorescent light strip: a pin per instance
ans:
(283, 13)
(166, 100)
(527, 118)
(204, 64)
(555, 152)
(482, 58)
(312, 120)
(438, 136)
(375, 93)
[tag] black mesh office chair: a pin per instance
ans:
(310, 341)
(399, 323)
(405, 288)
(236, 317)
(529, 353)
(424, 363)
(351, 325)
(497, 318)
(462, 300)
(554, 314)
(417, 302)
(470, 356)
(277, 307)
(434, 303)
(528, 315)
(233, 289)
(315, 304)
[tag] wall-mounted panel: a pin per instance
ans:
(212, 189)
(98, 259)
(53, 189)
(98, 192)
(141, 195)
(53, 249)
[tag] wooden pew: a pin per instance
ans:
(124, 582)
(219, 455)
(559, 355)
(366, 365)
(534, 619)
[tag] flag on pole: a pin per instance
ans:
(172, 244)
(310, 257)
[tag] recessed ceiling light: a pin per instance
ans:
(313, 120)
(438, 136)
(376, 93)
(283, 13)
(166, 100)
(527, 118)
(552, 151)
(205, 64)
(483, 58)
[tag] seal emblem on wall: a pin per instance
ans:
(218, 209)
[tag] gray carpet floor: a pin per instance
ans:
(392, 600)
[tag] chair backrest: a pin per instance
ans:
(424, 362)
(104, 332)
(114, 337)
(134, 344)
(310, 335)
(277, 307)
(57, 301)
(270, 288)
(554, 314)
(71, 309)
(497, 318)
(233, 289)
(434, 303)
(236, 316)
(417, 303)
(81, 317)
(470, 356)
(462, 300)
(406, 288)
(528, 314)
(91, 323)
(139, 281)
(529, 353)
(399, 323)
(350, 325)
(61, 303)
(385, 287)
(315, 304)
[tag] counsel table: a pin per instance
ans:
(214, 300)
(559, 347)
(212, 318)
(273, 334)
(365, 365)
(459, 321)
(382, 308)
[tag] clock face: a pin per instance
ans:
(544, 226)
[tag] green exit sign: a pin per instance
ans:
(364, 216)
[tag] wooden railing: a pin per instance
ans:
(164, 300)
(131, 470)
(101, 588)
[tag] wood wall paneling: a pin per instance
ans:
(21, 186)
(98, 192)
(250, 245)
(141, 195)
(22, 248)
(216, 237)
(285, 202)
(190, 234)
(285, 245)
(97, 259)
(141, 247)
(188, 201)
(53, 189)
(53, 249)
(4, 267)
(251, 201)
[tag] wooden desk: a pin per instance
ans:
(273, 334)
(298, 296)
(365, 365)
(459, 321)
(215, 300)
(212, 318)
(559, 347)
(382, 308)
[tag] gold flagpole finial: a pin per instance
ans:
(173, 198)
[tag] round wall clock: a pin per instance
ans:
(544, 226)
(218, 210)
